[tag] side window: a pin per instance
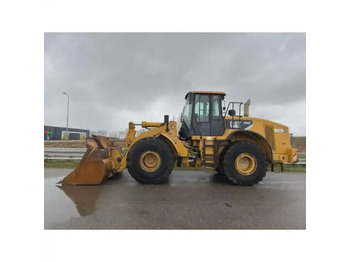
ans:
(216, 112)
(202, 108)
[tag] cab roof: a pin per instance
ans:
(206, 92)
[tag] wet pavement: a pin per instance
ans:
(191, 200)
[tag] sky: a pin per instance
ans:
(115, 78)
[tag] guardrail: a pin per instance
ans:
(55, 153)
(302, 159)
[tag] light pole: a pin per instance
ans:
(67, 117)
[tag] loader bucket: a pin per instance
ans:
(100, 161)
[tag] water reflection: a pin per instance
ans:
(84, 197)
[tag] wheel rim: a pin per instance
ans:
(245, 164)
(150, 161)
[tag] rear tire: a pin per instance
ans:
(220, 168)
(150, 161)
(245, 164)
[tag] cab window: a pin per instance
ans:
(202, 108)
(216, 112)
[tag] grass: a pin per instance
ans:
(70, 144)
(302, 155)
(290, 168)
(61, 163)
(74, 164)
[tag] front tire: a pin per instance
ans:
(245, 164)
(150, 161)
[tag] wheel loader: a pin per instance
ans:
(219, 138)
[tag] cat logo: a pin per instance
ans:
(239, 124)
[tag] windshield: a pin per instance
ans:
(187, 112)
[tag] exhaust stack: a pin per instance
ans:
(246, 108)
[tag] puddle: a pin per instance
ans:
(57, 206)
(63, 203)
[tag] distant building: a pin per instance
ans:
(59, 133)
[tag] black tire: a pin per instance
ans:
(220, 167)
(238, 178)
(220, 175)
(167, 161)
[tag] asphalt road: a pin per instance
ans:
(191, 200)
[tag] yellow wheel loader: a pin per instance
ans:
(218, 138)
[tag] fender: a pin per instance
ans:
(251, 136)
(170, 138)
(178, 148)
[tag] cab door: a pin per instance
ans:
(207, 117)
(201, 113)
(217, 127)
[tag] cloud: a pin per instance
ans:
(114, 78)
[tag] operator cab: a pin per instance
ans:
(202, 115)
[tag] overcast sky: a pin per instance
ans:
(114, 78)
